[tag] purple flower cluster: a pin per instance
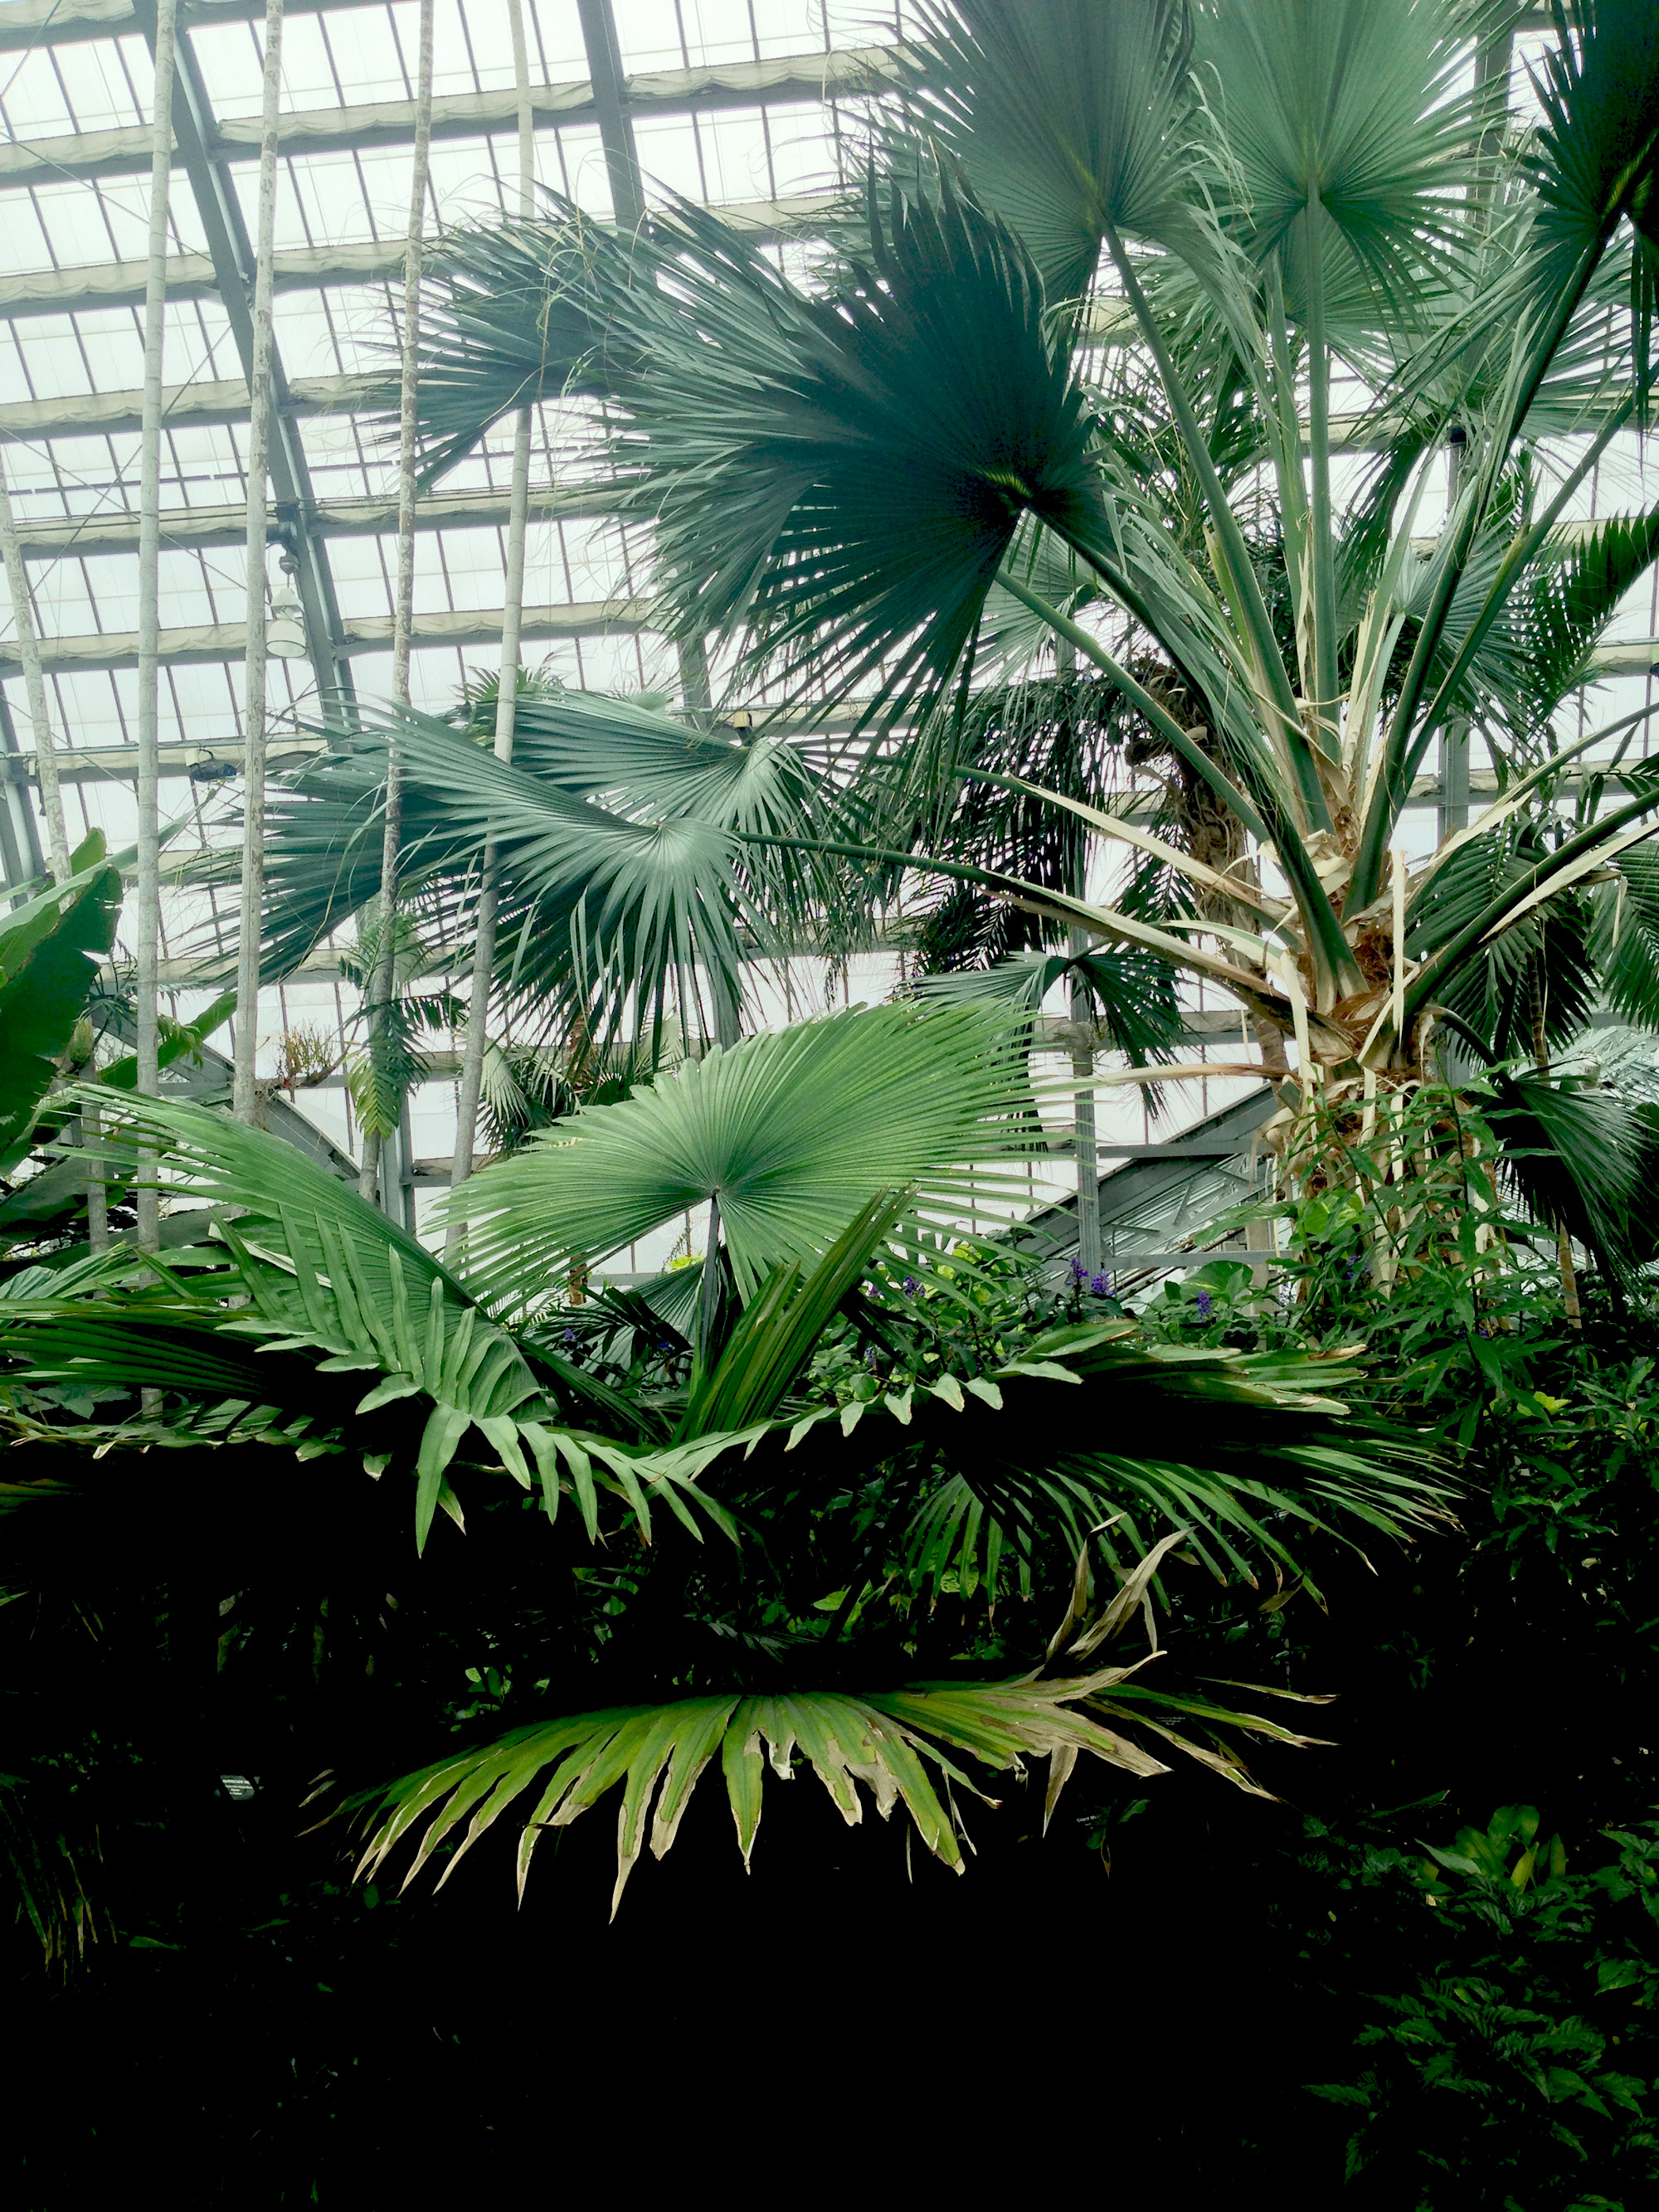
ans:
(1202, 1301)
(1101, 1286)
(910, 1286)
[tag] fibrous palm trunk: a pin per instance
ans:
(383, 982)
(253, 770)
(484, 954)
(148, 1012)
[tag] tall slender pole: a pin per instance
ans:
(150, 615)
(1082, 1114)
(383, 983)
(51, 806)
(1081, 1010)
(259, 450)
(483, 950)
(29, 654)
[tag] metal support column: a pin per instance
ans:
(231, 251)
(622, 161)
(604, 72)
(20, 834)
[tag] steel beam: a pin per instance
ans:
(231, 252)
(304, 269)
(609, 86)
(795, 80)
(20, 856)
(65, 537)
(204, 642)
(99, 413)
(27, 23)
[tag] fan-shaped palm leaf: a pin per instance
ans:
(520, 312)
(1585, 1160)
(1357, 114)
(1130, 994)
(607, 913)
(1066, 119)
(793, 1133)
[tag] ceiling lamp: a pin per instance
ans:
(285, 635)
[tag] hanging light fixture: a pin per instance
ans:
(285, 636)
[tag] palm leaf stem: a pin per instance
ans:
(1335, 966)
(1061, 907)
(1249, 606)
(1270, 910)
(1321, 552)
(1280, 412)
(1181, 742)
(1396, 777)
(1510, 800)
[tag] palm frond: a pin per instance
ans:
(1036, 1452)
(792, 1132)
(802, 473)
(1358, 114)
(49, 949)
(519, 311)
(327, 1272)
(903, 1746)
(1130, 994)
(1065, 118)
(606, 916)
(1585, 1160)
(898, 1745)
(1596, 157)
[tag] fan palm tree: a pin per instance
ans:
(736, 1469)
(1079, 356)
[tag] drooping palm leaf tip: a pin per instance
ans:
(903, 1747)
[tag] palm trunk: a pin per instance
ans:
(92, 1130)
(484, 950)
(28, 654)
(147, 1009)
(1083, 1114)
(383, 982)
(253, 771)
(1541, 1057)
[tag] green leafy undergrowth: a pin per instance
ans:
(1512, 2063)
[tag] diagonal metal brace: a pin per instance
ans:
(231, 252)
